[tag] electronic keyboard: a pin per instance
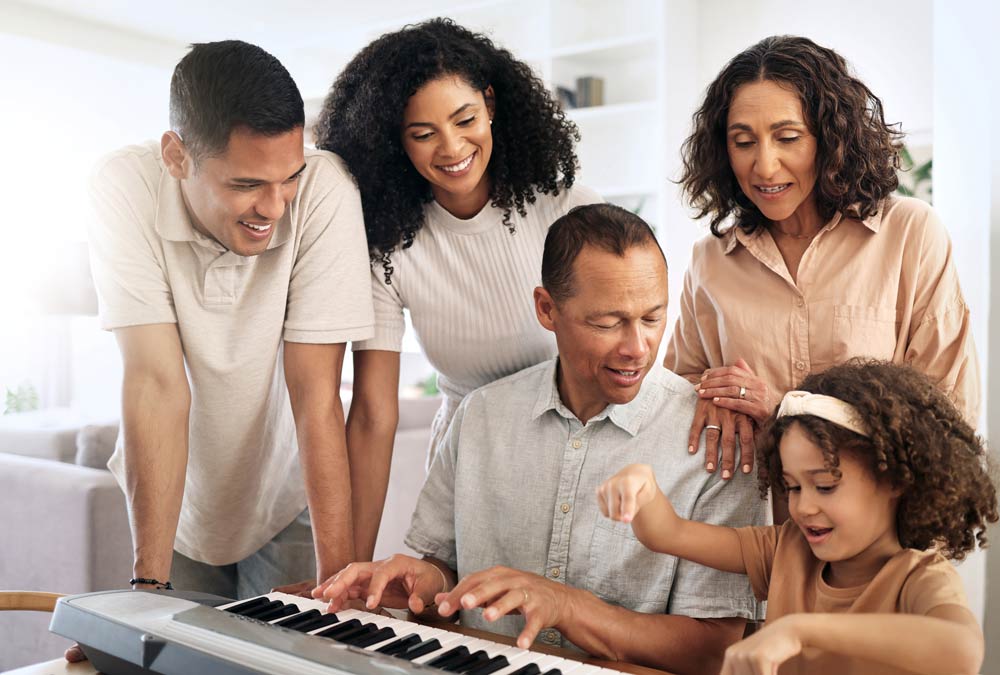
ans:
(146, 631)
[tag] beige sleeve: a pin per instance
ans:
(758, 546)
(329, 293)
(126, 254)
(389, 322)
(686, 354)
(931, 586)
(941, 343)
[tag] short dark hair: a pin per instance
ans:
(606, 226)
(857, 153)
(218, 86)
(918, 442)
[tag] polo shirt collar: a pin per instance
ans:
(173, 223)
(735, 235)
(626, 416)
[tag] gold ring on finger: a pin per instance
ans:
(743, 392)
(525, 591)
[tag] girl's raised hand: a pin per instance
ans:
(624, 494)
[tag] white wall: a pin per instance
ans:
(887, 42)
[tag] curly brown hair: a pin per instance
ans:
(918, 443)
(534, 143)
(857, 152)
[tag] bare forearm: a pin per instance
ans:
(323, 452)
(922, 644)
(676, 643)
(155, 434)
(659, 528)
(369, 446)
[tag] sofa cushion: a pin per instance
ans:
(95, 444)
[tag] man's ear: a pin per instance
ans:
(545, 309)
(175, 155)
(491, 101)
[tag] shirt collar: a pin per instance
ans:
(626, 416)
(735, 235)
(173, 222)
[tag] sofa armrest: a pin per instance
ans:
(67, 524)
(64, 529)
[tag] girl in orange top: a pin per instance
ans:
(886, 482)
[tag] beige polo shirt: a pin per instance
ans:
(311, 285)
(885, 287)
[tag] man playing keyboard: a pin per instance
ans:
(508, 521)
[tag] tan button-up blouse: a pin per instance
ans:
(885, 287)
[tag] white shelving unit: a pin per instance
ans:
(621, 143)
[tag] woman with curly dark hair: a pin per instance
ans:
(811, 258)
(887, 482)
(463, 161)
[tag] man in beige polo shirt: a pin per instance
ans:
(232, 266)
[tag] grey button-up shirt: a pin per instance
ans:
(514, 483)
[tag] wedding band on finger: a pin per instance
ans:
(743, 393)
(525, 591)
(713, 426)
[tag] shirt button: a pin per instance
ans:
(799, 365)
(577, 443)
(800, 303)
(555, 572)
(565, 508)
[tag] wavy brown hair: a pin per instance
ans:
(857, 153)
(918, 443)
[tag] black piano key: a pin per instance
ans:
(529, 669)
(451, 656)
(420, 649)
(491, 666)
(278, 613)
(400, 645)
(378, 636)
(321, 622)
(553, 671)
(247, 605)
(300, 618)
(339, 629)
(472, 661)
(263, 609)
(350, 636)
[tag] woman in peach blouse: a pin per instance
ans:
(811, 259)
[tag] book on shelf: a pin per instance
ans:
(589, 91)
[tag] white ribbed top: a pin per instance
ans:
(468, 285)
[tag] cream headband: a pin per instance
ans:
(825, 407)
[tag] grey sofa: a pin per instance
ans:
(64, 525)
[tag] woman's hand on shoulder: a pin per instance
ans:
(721, 427)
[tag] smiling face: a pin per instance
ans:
(771, 150)
(238, 197)
(447, 136)
(609, 330)
(850, 521)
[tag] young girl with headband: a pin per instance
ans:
(886, 483)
